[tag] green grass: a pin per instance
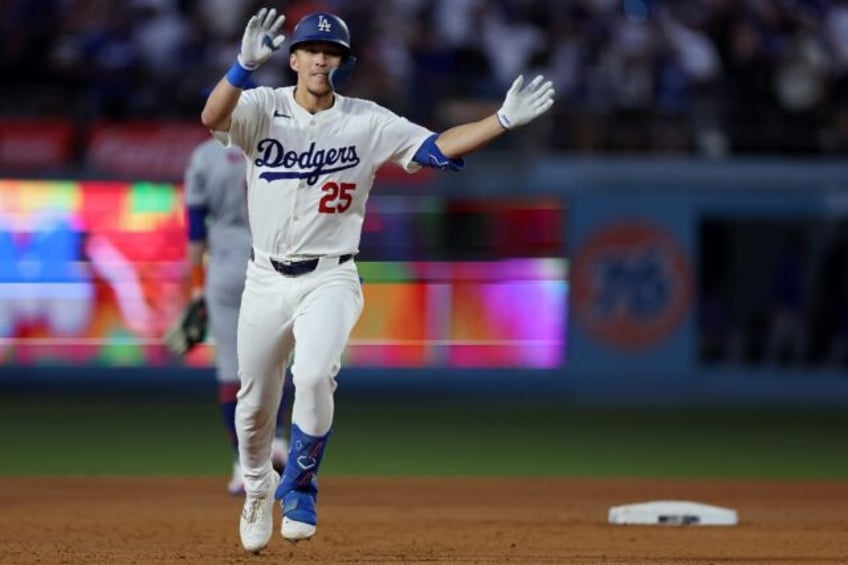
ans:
(502, 439)
(146, 434)
(88, 435)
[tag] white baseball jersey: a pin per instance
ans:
(309, 175)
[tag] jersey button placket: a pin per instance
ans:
(300, 187)
(302, 184)
(293, 229)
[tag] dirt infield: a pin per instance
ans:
(184, 520)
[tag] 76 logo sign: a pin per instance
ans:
(337, 197)
(631, 285)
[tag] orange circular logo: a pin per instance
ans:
(631, 285)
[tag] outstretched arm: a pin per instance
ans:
(520, 106)
(466, 138)
(261, 38)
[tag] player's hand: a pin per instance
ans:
(261, 38)
(523, 105)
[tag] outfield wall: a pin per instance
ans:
(595, 281)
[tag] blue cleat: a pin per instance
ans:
(298, 490)
(299, 517)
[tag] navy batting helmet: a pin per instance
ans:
(321, 26)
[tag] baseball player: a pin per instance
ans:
(218, 231)
(312, 155)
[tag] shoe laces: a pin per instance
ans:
(253, 509)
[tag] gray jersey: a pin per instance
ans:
(215, 180)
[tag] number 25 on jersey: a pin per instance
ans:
(337, 197)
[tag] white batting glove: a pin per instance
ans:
(261, 38)
(522, 106)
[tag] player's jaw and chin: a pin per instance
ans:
(318, 84)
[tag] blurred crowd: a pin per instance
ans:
(774, 292)
(702, 77)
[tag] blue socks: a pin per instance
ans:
(301, 472)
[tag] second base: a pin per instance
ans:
(673, 513)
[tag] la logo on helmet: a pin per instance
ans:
(323, 24)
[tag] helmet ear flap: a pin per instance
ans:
(341, 76)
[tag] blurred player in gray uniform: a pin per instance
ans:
(312, 156)
(218, 249)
